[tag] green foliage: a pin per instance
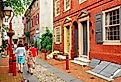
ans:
(27, 34)
(3, 46)
(46, 40)
(18, 5)
(36, 44)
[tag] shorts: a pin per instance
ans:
(20, 59)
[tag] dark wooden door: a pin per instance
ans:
(76, 42)
(85, 42)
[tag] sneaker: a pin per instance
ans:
(27, 71)
(33, 67)
(31, 73)
(19, 71)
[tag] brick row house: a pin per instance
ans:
(38, 16)
(88, 29)
(31, 21)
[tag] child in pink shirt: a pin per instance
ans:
(30, 62)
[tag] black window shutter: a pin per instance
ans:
(99, 33)
(120, 21)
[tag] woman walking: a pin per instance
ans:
(20, 56)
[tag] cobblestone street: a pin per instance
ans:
(45, 72)
(44, 75)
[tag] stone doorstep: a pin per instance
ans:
(80, 63)
(82, 59)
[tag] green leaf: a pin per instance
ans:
(46, 40)
(18, 5)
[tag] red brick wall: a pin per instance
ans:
(104, 52)
(34, 12)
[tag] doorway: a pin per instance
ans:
(67, 39)
(75, 25)
(85, 38)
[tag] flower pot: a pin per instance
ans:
(10, 33)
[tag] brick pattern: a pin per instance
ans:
(103, 52)
(34, 11)
(5, 76)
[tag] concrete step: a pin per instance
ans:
(81, 59)
(79, 63)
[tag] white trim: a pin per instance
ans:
(80, 29)
(56, 8)
(65, 38)
(109, 42)
(65, 6)
(80, 1)
(111, 9)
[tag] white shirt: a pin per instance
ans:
(20, 51)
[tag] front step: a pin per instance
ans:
(81, 61)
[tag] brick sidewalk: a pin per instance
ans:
(5, 76)
(76, 70)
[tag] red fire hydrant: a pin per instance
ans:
(14, 65)
(67, 61)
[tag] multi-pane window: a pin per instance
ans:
(57, 7)
(57, 34)
(112, 25)
(67, 4)
(37, 18)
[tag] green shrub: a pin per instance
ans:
(46, 40)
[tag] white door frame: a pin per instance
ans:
(80, 30)
(65, 37)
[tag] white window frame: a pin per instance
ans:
(56, 35)
(81, 1)
(56, 14)
(66, 9)
(109, 42)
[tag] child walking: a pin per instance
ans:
(34, 54)
(30, 62)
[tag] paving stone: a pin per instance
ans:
(44, 75)
(47, 73)
(29, 77)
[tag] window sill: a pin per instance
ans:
(112, 43)
(65, 10)
(57, 42)
(57, 15)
